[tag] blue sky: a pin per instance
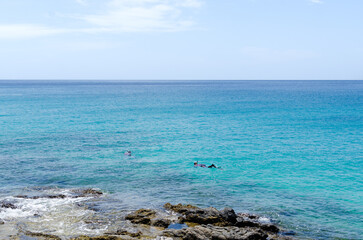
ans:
(181, 39)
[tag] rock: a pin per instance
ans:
(257, 235)
(203, 224)
(192, 214)
(248, 216)
(204, 232)
(7, 205)
(56, 196)
(229, 215)
(78, 193)
(141, 216)
(2, 222)
(88, 192)
(126, 233)
(42, 236)
(23, 196)
(245, 223)
(160, 222)
(60, 196)
(269, 228)
(98, 238)
(203, 216)
(180, 208)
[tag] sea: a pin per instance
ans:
(289, 151)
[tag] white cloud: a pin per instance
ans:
(118, 16)
(144, 15)
(82, 2)
(15, 31)
(316, 1)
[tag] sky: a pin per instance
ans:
(181, 39)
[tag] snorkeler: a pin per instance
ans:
(127, 153)
(203, 165)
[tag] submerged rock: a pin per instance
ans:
(56, 196)
(126, 233)
(87, 192)
(42, 236)
(7, 205)
(99, 238)
(193, 223)
(77, 193)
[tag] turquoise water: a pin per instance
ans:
(289, 150)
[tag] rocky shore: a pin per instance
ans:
(172, 222)
(186, 222)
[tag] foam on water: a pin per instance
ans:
(52, 211)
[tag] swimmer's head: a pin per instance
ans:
(195, 163)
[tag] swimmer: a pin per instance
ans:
(127, 153)
(203, 165)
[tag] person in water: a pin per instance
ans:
(203, 165)
(128, 153)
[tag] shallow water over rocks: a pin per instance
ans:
(54, 213)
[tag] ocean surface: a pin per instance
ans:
(291, 151)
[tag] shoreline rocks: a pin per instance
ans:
(183, 222)
(76, 193)
(207, 223)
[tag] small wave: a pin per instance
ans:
(57, 211)
(264, 220)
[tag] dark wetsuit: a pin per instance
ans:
(204, 166)
(200, 165)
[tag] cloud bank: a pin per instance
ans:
(119, 16)
(144, 15)
(316, 1)
(19, 31)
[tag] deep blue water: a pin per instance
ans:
(289, 150)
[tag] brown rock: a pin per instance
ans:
(42, 236)
(90, 191)
(192, 214)
(160, 222)
(141, 216)
(204, 232)
(86, 192)
(180, 208)
(124, 232)
(98, 238)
